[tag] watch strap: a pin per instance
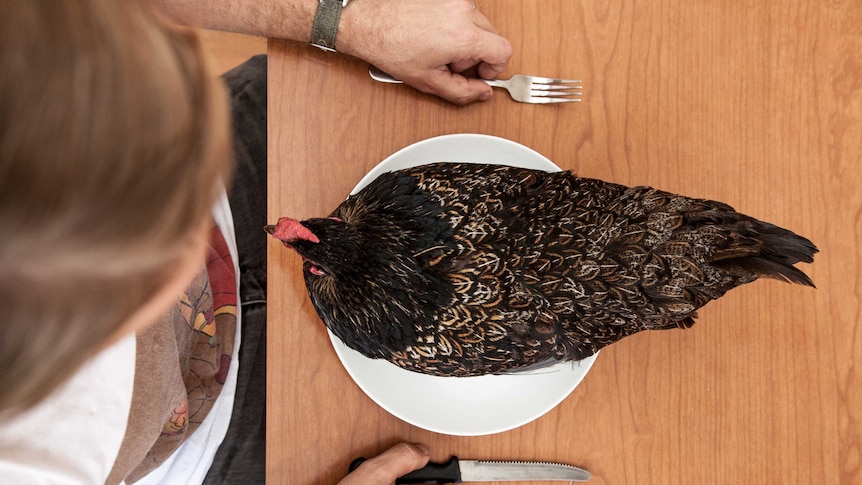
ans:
(326, 24)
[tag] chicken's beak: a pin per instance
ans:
(270, 229)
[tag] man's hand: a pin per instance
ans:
(428, 44)
(384, 468)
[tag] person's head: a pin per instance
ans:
(113, 141)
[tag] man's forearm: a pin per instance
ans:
(285, 19)
(281, 19)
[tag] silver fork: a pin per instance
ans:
(523, 88)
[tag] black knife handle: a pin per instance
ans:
(449, 472)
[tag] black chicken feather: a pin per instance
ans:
(471, 269)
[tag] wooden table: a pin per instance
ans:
(757, 104)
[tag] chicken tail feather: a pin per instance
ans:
(777, 251)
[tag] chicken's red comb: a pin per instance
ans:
(288, 230)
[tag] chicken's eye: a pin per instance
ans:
(316, 271)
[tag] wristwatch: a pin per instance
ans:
(326, 23)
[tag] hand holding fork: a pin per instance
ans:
(523, 88)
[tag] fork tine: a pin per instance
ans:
(554, 97)
(552, 87)
(549, 100)
(550, 80)
(554, 94)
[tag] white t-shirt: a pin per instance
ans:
(74, 436)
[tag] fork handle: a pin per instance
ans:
(383, 77)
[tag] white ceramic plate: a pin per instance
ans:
(464, 406)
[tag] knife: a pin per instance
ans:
(459, 471)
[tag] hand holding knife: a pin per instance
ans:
(459, 471)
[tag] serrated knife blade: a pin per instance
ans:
(460, 471)
(512, 471)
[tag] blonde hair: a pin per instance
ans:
(113, 141)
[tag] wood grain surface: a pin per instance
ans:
(756, 104)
